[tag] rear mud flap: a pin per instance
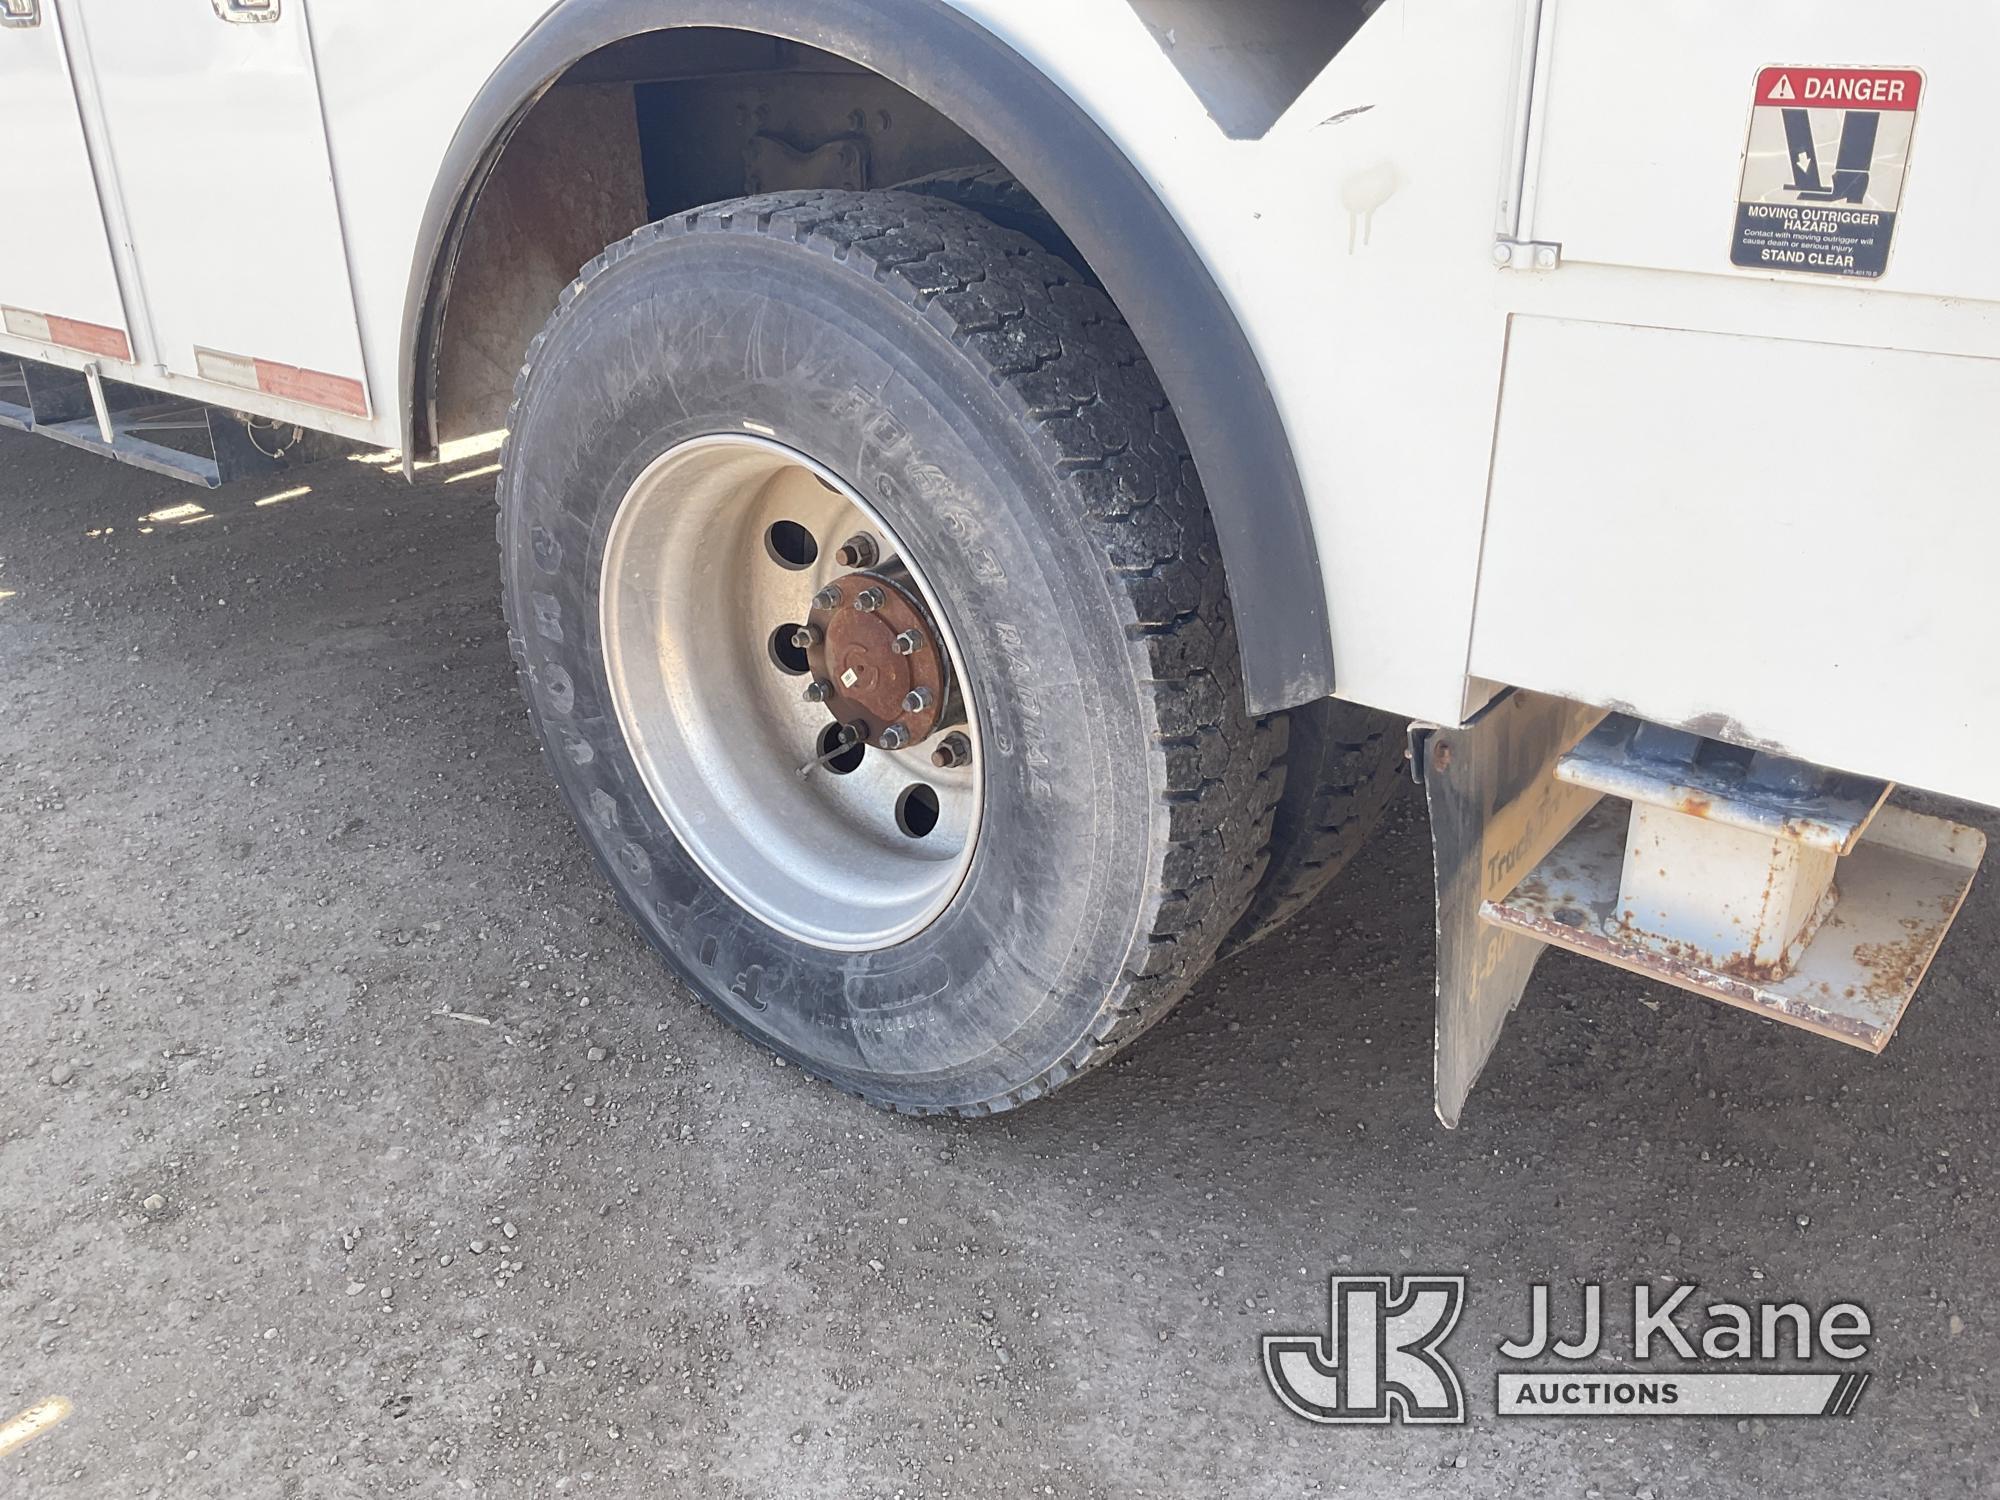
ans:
(1496, 811)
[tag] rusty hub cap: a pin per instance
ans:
(857, 654)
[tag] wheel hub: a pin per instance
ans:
(820, 763)
(875, 662)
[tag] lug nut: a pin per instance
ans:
(818, 692)
(870, 600)
(806, 637)
(895, 737)
(956, 750)
(828, 597)
(916, 700)
(858, 551)
(909, 643)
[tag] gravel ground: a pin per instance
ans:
(352, 1144)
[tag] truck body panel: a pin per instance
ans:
(1642, 477)
(56, 263)
(214, 148)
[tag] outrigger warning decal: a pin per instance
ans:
(1823, 170)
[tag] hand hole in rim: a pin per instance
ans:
(917, 810)
(790, 545)
(847, 760)
(787, 654)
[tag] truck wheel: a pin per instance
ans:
(869, 613)
(1343, 765)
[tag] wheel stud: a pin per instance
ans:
(869, 600)
(818, 692)
(909, 643)
(956, 750)
(895, 737)
(828, 597)
(916, 700)
(806, 637)
(858, 551)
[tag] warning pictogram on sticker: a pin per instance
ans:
(1823, 170)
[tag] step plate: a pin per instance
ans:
(1899, 891)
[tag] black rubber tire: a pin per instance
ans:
(1344, 763)
(995, 194)
(1343, 766)
(1002, 419)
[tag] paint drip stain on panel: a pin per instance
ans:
(1361, 193)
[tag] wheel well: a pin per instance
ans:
(644, 128)
(515, 212)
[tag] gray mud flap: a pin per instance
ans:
(1496, 811)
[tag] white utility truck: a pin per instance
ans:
(989, 483)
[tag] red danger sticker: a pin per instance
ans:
(1823, 169)
(1840, 88)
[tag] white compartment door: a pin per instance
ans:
(1873, 119)
(57, 285)
(212, 120)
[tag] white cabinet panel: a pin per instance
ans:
(214, 132)
(57, 284)
(1767, 540)
(1649, 111)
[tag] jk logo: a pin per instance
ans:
(1380, 1360)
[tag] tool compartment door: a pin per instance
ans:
(1859, 134)
(57, 285)
(212, 116)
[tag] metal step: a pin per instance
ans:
(185, 440)
(1755, 879)
(1896, 897)
(1759, 881)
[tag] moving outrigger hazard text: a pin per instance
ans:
(1823, 169)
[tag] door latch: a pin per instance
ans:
(20, 12)
(245, 10)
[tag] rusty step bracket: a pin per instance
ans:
(1753, 790)
(1757, 880)
(1895, 897)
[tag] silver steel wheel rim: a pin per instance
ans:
(690, 595)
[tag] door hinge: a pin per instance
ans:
(20, 12)
(1526, 255)
(247, 10)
